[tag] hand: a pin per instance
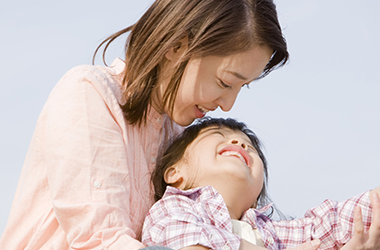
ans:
(366, 240)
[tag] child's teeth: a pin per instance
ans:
(234, 153)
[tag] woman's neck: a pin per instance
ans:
(156, 101)
(159, 90)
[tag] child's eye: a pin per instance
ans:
(252, 148)
(218, 133)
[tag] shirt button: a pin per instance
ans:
(97, 184)
(270, 240)
(153, 159)
(226, 246)
(159, 119)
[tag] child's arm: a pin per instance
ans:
(361, 239)
(331, 221)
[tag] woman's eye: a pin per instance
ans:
(246, 85)
(224, 85)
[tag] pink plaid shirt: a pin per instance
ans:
(200, 217)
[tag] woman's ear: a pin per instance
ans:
(175, 52)
(173, 176)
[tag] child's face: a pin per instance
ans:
(226, 160)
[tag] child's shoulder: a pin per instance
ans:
(193, 205)
(193, 194)
(196, 199)
(178, 199)
(175, 196)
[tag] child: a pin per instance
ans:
(215, 177)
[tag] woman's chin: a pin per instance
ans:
(183, 121)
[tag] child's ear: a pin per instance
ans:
(173, 176)
(175, 52)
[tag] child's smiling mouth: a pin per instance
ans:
(236, 151)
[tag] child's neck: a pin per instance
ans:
(236, 206)
(235, 215)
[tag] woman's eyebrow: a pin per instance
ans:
(237, 75)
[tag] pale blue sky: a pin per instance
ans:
(318, 117)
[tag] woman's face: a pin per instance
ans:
(212, 82)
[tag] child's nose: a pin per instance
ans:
(237, 142)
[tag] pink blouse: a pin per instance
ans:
(85, 183)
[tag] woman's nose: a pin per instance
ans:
(237, 142)
(226, 102)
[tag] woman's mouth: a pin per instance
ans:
(201, 111)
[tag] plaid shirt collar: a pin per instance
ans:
(215, 205)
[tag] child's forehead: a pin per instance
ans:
(215, 128)
(222, 129)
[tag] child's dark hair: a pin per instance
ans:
(175, 151)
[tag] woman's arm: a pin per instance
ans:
(245, 245)
(310, 245)
(197, 247)
(86, 163)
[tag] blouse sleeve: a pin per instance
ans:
(86, 161)
(331, 222)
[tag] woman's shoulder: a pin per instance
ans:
(105, 79)
(98, 73)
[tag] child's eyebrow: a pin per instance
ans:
(209, 129)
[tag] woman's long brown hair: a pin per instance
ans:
(213, 27)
